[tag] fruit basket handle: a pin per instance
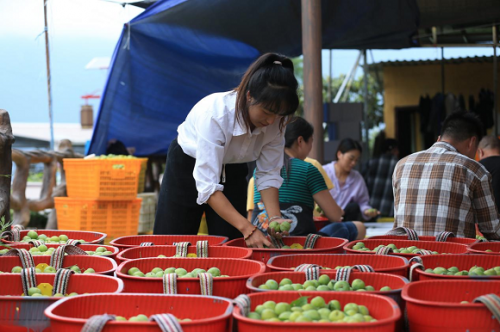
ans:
(28, 279)
(96, 323)
(14, 234)
(57, 257)
(419, 264)
(311, 241)
(170, 283)
(181, 249)
(202, 248)
(492, 302)
(243, 302)
(167, 322)
(61, 281)
(443, 236)
(343, 274)
(206, 284)
(146, 244)
(277, 243)
(363, 268)
(25, 256)
(36, 243)
(412, 234)
(384, 251)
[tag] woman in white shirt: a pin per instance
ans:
(206, 165)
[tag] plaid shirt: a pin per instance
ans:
(378, 179)
(440, 189)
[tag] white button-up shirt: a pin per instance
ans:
(212, 135)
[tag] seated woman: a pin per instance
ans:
(302, 186)
(349, 190)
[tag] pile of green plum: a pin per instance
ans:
(473, 271)
(158, 272)
(360, 246)
(317, 310)
(33, 235)
(144, 318)
(38, 292)
(323, 284)
(44, 268)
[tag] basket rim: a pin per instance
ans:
(111, 260)
(345, 242)
(115, 242)
(355, 273)
(382, 237)
(49, 310)
(50, 245)
(348, 246)
(121, 275)
(121, 285)
(393, 319)
(101, 238)
(471, 249)
(125, 259)
(407, 298)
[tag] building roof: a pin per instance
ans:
(41, 131)
(455, 61)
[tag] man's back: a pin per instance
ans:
(439, 190)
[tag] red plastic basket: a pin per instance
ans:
(380, 263)
(126, 242)
(320, 222)
(462, 240)
(101, 265)
(84, 246)
(382, 308)
(208, 313)
(89, 237)
(481, 247)
(434, 306)
(169, 251)
(440, 247)
(20, 313)
(239, 270)
(462, 262)
(324, 245)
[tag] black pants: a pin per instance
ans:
(178, 212)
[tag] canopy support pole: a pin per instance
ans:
(442, 70)
(49, 88)
(313, 81)
(366, 105)
(495, 79)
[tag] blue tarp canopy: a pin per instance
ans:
(178, 51)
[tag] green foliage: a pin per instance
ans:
(35, 177)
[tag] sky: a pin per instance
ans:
(81, 30)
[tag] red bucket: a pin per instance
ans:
(324, 245)
(440, 247)
(382, 308)
(169, 251)
(320, 222)
(132, 241)
(434, 305)
(238, 270)
(462, 262)
(88, 237)
(101, 265)
(208, 313)
(380, 263)
(481, 247)
(84, 246)
(25, 312)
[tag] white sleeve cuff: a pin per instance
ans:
(204, 196)
(269, 181)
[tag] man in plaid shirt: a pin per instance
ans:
(443, 188)
(378, 178)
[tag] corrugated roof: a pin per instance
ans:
(455, 61)
(41, 131)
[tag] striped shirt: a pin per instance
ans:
(304, 182)
(440, 189)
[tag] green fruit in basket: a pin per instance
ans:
(303, 319)
(307, 306)
(170, 270)
(55, 238)
(342, 286)
(370, 288)
(156, 269)
(285, 316)
(268, 314)
(42, 248)
(324, 313)
(159, 274)
(75, 268)
(215, 272)
(100, 249)
(294, 316)
(272, 284)
(180, 272)
(49, 269)
(310, 289)
(490, 272)
(32, 235)
(263, 286)
(281, 308)
(299, 309)
(58, 295)
(351, 306)
(73, 294)
(318, 302)
(285, 226)
(489, 250)
(286, 288)
(16, 269)
(357, 284)
(308, 283)
(385, 289)
(464, 302)
(312, 314)
(89, 270)
(269, 305)
(286, 247)
(161, 256)
(34, 290)
(285, 281)
(363, 310)
(63, 237)
(297, 286)
(138, 274)
(336, 316)
(259, 309)
(132, 270)
(254, 315)
(120, 318)
(323, 288)
(323, 279)
(439, 270)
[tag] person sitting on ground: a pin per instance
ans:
(378, 178)
(443, 188)
(349, 190)
(489, 156)
(303, 185)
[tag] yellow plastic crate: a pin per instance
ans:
(115, 218)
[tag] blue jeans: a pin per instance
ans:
(346, 230)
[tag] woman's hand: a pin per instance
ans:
(257, 239)
(372, 213)
(275, 233)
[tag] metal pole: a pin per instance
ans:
(313, 83)
(330, 79)
(495, 79)
(442, 70)
(366, 153)
(49, 90)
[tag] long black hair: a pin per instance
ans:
(297, 127)
(272, 84)
(346, 145)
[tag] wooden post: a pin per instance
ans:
(313, 82)
(6, 140)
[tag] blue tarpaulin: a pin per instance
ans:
(178, 51)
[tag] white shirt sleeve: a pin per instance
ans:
(209, 157)
(269, 164)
